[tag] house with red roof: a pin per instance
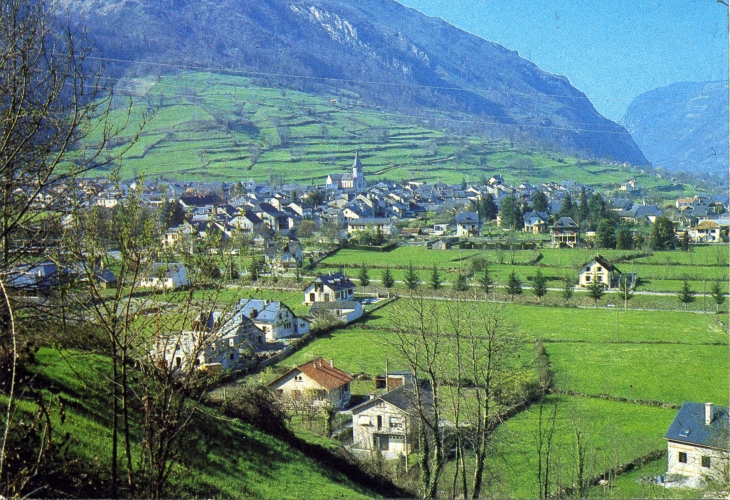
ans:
(317, 381)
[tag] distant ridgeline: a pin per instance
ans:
(372, 52)
(683, 127)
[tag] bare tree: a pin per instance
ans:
(55, 126)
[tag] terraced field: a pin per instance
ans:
(205, 126)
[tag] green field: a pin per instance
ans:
(614, 433)
(667, 373)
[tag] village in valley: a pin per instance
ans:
(321, 281)
(283, 249)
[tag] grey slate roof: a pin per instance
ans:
(335, 281)
(467, 218)
(689, 427)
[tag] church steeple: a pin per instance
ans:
(358, 178)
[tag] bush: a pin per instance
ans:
(256, 406)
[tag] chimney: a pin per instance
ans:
(332, 362)
(708, 413)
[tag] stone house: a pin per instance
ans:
(698, 442)
(208, 346)
(317, 382)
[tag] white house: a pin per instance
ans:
(329, 288)
(698, 442)
(274, 318)
(386, 423)
(599, 270)
(166, 275)
(536, 222)
(318, 382)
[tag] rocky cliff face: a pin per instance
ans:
(381, 52)
(683, 127)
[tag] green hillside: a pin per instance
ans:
(223, 457)
(205, 126)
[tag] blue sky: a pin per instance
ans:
(612, 50)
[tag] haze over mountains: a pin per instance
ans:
(374, 51)
(683, 127)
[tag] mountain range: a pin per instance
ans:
(683, 127)
(378, 52)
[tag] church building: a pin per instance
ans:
(350, 181)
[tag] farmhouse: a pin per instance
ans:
(599, 270)
(698, 441)
(317, 381)
(329, 288)
(385, 423)
(205, 347)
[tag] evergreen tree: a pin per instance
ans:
(582, 205)
(662, 234)
(462, 283)
(717, 296)
(624, 239)
(595, 291)
(606, 234)
(685, 242)
(514, 285)
(363, 275)
(486, 281)
(539, 285)
(540, 202)
(596, 210)
(489, 207)
(567, 291)
(686, 296)
(508, 211)
(387, 278)
(566, 208)
(411, 278)
(435, 281)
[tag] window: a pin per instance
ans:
(706, 462)
(396, 423)
(379, 422)
(682, 457)
(588, 277)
